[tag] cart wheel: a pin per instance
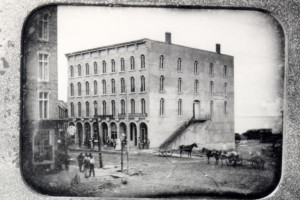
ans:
(230, 161)
(239, 161)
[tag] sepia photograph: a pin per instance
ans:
(145, 102)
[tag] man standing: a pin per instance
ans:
(80, 161)
(92, 165)
(86, 164)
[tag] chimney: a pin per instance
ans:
(168, 37)
(218, 48)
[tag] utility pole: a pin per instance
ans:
(99, 143)
(127, 132)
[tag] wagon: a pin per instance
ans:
(255, 162)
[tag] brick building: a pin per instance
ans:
(159, 92)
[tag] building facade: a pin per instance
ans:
(150, 90)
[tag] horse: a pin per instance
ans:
(187, 148)
(212, 153)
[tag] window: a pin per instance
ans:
(123, 106)
(95, 87)
(104, 107)
(179, 107)
(95, 108)
(161, 62)
(43, 67)
(123, 85)
(179, 84)
(211, 69)
(225, 107)
(113, 87)
(196, 70)
(87, 69)
(211, 108)
(225, 89)
(113, 65)
(179, 65)
(87, 109)
(143, 62)
(143, 86)
(161, 84)
(103, 87)
(122, 65)
(132, 85)
(79, 89)
(132, 105)
(196, 86)
(72, 89)
(95, 68)
(143, 106)
(79, 70)
(72, 71)
(162, 107)
(44, 103)
(103, 67)
(87, 88)
(72, 109)
(225, 71)
(211, 88)
(132, 64)
(79, 109)
(44, 27)
(113, 108)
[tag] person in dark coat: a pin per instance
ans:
(80, 162)
(92, 165)
(86, 164)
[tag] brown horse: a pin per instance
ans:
(187, 148)
(212, 153)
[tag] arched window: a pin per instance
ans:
(211, 88)
(113, 108)
(225, 71)
(87, 88)
(211, 69)
(143, 106)
(179, 65)
(161, 84)
(122, 65)
(196, 70)
(225, 107)
(123, 106)
(95, 68)
(103, 87)
(196, 86)
(72, 109)
(113, 86)
(72, 89)
(162, 107)
(132, 84)
(132, 64)
(95, 108)
(179, 84)
(87, 69)
(104, 107)
(113, 67)
(103, 67)
(79, 70)
(44, 27)
(179, 107)
(72, 71)
(122, 85)
(79, 89)
(161, 62)
(143, 86)
(87, 109)
(95, 88)
(143, 66)
(211, 108)
(225, 89)
(132, 105)
(79, 109)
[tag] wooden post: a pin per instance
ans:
(99, 145)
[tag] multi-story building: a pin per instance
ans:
(157, 91)
(62, 110)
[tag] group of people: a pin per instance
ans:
(88, 164)
(111, 142)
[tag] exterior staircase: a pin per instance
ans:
(178, 133)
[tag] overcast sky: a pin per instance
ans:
(252, 37)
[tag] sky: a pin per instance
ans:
(252, 37)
